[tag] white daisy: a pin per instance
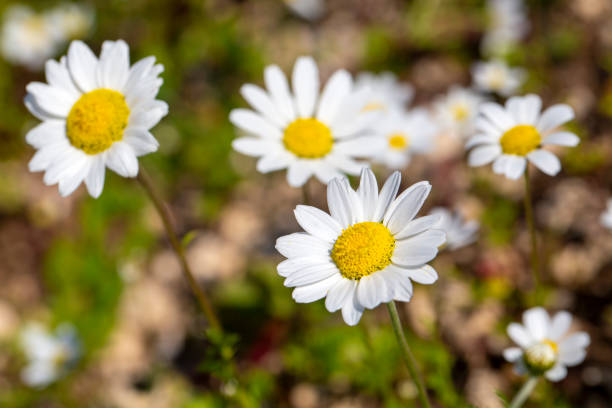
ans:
(49, 355)
(496, 76)
(459, 233)
(96, 113)
(306, 133)
(512, 135)
(508, 24)
(28, 38)
(73, 20)
(545, 348)
(386, 93)
(457, 110)
(366, 252)
(606, 216)
(310, 10)
(404, 133)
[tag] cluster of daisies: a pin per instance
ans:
(30, 37)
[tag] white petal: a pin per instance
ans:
(368, 193)
(425, 275)
(399, 282)
(554, 117)
(561, 139)
(315, 291)
(292, 265)
(406, 206)
(147, 118)
(364, 146)
(317, 223)
(305, 81)
(537, 322)
(95, 178)
(575, 341)
(512, 354)
(121, 159)
(497, 115)
(339, 294)
(557, 373)
(499, 165)
(263, 104)
(520, 335)
(483, 155)
(300, 244)
(82, 64)
(114, 65)
(46, 132)
(418, 225)
(545, 161)
(387, 195)
(480, 139)
(277, 85)
(530, 109)
(559, 325)
(252, 146)
(298, 173)
(515, 166)
(340, 203)
(352, 310)
(372, 290)
(410, 253)
(254, 123)
(58, 76)
(311, 274)
(141, 141)
(572, 357)
(71, 180)
(326, 171)
(336, 90)
(53, 101)
(274, 161)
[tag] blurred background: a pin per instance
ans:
(103, 268)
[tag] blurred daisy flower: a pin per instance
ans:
(306, 133)
(386, 93)
(508, 24)
(606, 216)
(310, 10)
(404, 133)
(545, 348)
(49, 355)
(457, 110)
(496, 76)
(28, 38)
(513, 134)
(73, 20)
(459, 233)
(366, 252)
(96, 113)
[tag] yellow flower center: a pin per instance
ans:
(542, 356)
(308, 138)
(97, 120)
(460, 112)
(398, 141)
(373, 106)
(520, 140)
(363, 249)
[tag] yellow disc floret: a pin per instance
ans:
(398, 141)
(97, 120)
(308, 138)
(520, 140)
(460, 112)
(363, 249)
(541, 356)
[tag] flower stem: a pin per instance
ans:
(407, 354)
(535, 263)
(524, 392)
(205, 305)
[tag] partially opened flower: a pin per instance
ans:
(96, 113)
(606, 216)
(459, 233)
(404, 134)
(457, 110)
(545, 346)
(49, 355)
(73, 20)
(310, 10)
(496, 76)
(366, 251)
(385, 91)
(513, 134)
(306, 133)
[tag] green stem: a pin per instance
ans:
(524, 392)
(205, 305)
(535, 263)
(407, 354)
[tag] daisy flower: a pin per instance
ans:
(306, 133)
(310, 10)
(28, 38)
(457, 110)
(606, 216)
(96, 113)
(366, 251)
(508, 24)
(496, 76)
(49, 355)
(545, 348)
(513, 134)
(459, 233)
(386, 93)
(73, 20)
(404, 133)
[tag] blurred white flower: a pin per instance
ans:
(96, 113)
(545, 348)
(310, 10)
(606, 216)
(457, 110)
(306, 133)
(386, 93)
(507, 25)
(73, 20)
(513, 134)
(366, 252)
(404, 134)
(496, 76)
(49, 355)
(459, 233)
(28, 38)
